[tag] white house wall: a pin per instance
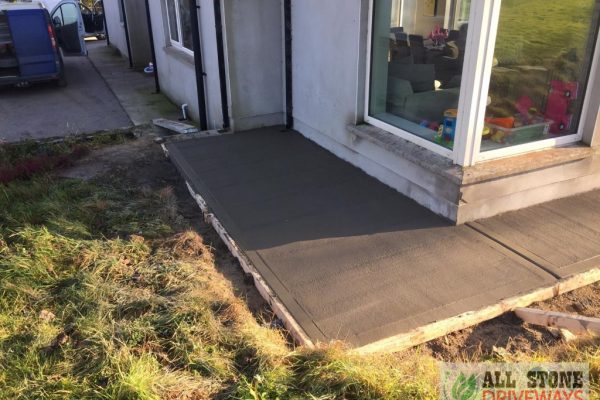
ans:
(208, 39)
(176, 70)
(329, 74)
(116, 30)
(255, 62)
(138, 30)
(137, 23)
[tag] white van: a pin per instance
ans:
(68, 24)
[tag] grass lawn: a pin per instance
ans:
(107, 293)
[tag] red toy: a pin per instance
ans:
(557, 107)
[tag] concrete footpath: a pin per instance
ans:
(44, 110)
(135, 90)
(349, 258)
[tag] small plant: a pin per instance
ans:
(26, 159)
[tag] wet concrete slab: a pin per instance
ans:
(349, 257)
(562, 236)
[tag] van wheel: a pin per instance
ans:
(62, 79)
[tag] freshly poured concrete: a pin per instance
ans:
(349, 257)
(562, 236)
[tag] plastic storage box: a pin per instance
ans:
(522, 134)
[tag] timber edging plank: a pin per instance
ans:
(574, 323)
(263, 288)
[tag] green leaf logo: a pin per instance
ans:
(464, 388)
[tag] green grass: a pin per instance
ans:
(105, 295)
(138, 311)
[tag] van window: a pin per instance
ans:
(65, 15)
(66, 23)
(69, 13)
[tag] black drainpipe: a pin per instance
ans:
(221, 60)
(153, 53)
(289, 107)
(105, 27)
(126, 32)
(198, 63)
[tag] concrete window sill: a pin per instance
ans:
(528, 162)
(179, 55)
(412, 152)
(485, 171)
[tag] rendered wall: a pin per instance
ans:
(116, 30)
(176, 69)
(254, 37)
(138, 33)
(138, 30)
(329, 75)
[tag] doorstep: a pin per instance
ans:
(488, 188)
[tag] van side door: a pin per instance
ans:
(35, 52)
(70, 32)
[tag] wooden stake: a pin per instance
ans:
(576, 324)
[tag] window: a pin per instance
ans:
(396, 14)
(67, 14)
(530, 74)
(462, 10)
(180, 23)
(540, 72)
(416, 72)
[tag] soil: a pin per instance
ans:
(508, 333)
(142, 163)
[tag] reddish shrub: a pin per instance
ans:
(26, 168)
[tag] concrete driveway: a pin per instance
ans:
(44, 110)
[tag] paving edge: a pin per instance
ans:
(298, 334)
(82, 136)
(443, 327)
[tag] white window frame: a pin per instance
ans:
(411, 137)
(479, 56)
(174, 43)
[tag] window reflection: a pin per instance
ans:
(542, 61)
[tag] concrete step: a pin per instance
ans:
(175, 126)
